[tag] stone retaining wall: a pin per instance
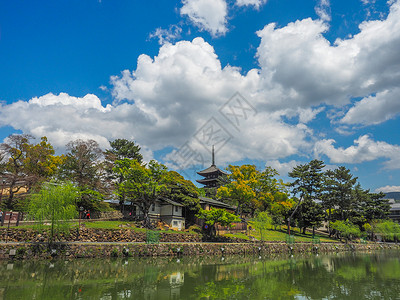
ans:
(27, 244)
(107, 215)
(95, 235)
(91, 250)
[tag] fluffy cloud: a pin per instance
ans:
(167, 101)
(364, 149)
(63, 118)
(374, 109)
(185, 85)
(282, 168)
(166, 35)
(388, 189)
(323, 10)
(298, 59)
(209, 15)
(256, 3)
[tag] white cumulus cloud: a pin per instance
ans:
(63, 118)
(185, 85)
(209, 15)
(364, 149)
(388, 189)
(256, 3)
(323, 10)
(282, 168)
(375, 109)
(310, 70)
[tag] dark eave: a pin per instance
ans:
(169, 202)
(211, 170)
(215, 203)
(207, 180)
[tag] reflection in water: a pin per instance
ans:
(340, 276)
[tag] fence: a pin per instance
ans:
(11, 218)
(235, 227)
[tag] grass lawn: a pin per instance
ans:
(280, 235)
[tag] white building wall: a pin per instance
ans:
(166, 210)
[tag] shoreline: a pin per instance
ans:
(72, 250)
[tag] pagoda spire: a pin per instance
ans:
(213, 156)
(211, 174)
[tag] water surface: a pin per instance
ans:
(338, 276)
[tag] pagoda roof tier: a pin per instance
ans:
(210, 170)
(207, 180)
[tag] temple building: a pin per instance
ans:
(211, 174)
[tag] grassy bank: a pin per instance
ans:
(280, 235)
(270, 235)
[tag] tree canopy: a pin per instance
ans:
(251, 190)
(54, 203)
(24, 165)
(143, 184)
(82, 166)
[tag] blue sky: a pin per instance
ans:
(274, 83)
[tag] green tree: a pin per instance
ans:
(182, 191)
(217, 215)
(25, 165)
(120, 149)
(389, 230)
(280, 208)
(261, 223)
(340, 192)
(375, 207)
(346, 229)
(142, 185)
(308, 184)
(54, 204)
(308, 180)
(312, 215)
(250, 189)
(123, 148)
(82, 166)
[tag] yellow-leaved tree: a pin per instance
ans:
(252, 190)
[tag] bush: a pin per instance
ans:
(346, 229)
(20, 252)
(389, 230)
(195, 229)
(114, 252)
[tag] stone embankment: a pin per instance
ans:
(25, 244)
(95, 235)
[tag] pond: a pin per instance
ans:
(337, 276)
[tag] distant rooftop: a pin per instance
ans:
(215, 203)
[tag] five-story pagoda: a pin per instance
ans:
(211, 174)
